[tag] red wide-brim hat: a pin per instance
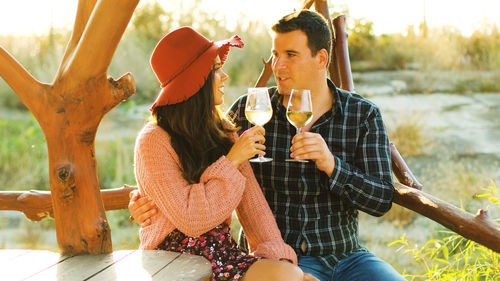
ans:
(182, 60)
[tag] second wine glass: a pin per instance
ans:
(299, 111)
(258, 111)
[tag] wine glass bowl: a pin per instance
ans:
(299, 111)
(258, 111)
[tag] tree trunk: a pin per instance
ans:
(69, 111)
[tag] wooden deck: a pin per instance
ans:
(120, 265)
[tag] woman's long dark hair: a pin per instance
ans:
(196, 131)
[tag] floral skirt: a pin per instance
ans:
(216, 245)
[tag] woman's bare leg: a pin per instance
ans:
(272, 270)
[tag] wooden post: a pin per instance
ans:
(342, 53)
(321, 7)
(69, 111)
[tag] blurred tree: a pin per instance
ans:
(151, 22)
(362, 40)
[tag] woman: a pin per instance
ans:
(191, 164)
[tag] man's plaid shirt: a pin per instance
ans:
(307, 204)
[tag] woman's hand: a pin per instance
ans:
(248, 145)
(266, 73)
(141, 208)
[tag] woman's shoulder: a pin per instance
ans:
(152, 129)
(152, 133)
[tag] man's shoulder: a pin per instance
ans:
(355, 100)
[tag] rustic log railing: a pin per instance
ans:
(61, 109)
(37, 204)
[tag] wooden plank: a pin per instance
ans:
(141, 265)
(29, 264)
(186, 267)
(80, 267)
(9, 255)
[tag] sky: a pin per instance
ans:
(388, 16)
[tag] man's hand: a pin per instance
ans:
(141, 208)
(312, 146)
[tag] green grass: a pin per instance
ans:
(23, 152)
(453, 257)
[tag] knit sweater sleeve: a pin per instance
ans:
(192, 208)
(257, 220)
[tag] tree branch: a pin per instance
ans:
(105, 25)
(85, 8)
(19, 79)
(121, 90)
(479, 228)
(306, 4)
(401, 170)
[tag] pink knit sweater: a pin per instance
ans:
(196, 208)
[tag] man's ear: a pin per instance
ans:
(322, 56)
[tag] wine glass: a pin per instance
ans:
(258, 111)
(299, 111)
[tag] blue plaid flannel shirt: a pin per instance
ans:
(308, 205)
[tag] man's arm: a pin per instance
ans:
(367, 183)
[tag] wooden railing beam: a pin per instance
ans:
(37, 204)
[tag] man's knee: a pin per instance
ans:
(366, 266)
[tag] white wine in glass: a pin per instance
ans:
(299, 111)
(258, 111)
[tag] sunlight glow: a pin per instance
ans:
(388, 16)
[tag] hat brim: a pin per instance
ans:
(190, 81)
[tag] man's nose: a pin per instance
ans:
(278, 63)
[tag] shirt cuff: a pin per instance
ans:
(340, 176)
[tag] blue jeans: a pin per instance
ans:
(361, 266)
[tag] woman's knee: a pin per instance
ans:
(272, 270)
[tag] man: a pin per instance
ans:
(316, 203)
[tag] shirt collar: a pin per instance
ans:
(277, 98)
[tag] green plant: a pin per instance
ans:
(454, 257)
(23, 152)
